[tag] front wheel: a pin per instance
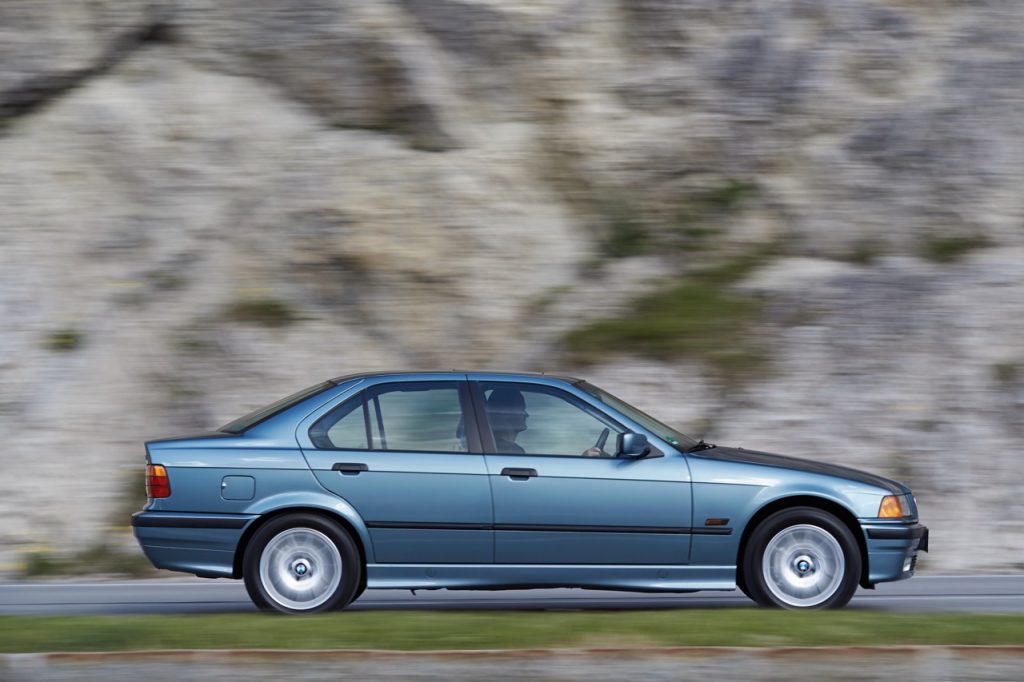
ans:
(802, 558)
(301, 563)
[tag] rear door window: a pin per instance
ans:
(424, 416)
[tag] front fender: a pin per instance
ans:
(739, 491)
(856, 500)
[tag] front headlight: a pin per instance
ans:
(894, 507)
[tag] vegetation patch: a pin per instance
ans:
(197, 337)
(63, 340)
(99, 558)
(627, 235)
(700, 217)
(548, 298)
(951, 249)
(1006, 372)
(725, 197)
(697, 217)
(266, 312)
(865, 252)
(422, 630)
(166, 279)
(696, 316)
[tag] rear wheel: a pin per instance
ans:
(358, 593)
(301, 563)
(801, 558)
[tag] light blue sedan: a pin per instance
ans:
(479, 481)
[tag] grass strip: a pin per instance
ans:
(418, 630)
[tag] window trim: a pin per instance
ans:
(370, 393)
(487, 436)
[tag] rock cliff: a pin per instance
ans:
(788, 225)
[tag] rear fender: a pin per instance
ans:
(305, 501)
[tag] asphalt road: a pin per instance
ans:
(983, 593)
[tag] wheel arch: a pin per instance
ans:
(846, 516)
(328, 514)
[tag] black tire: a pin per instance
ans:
(257, 597)
(359, 591)
(814, 561)
(304, 548)
(741, 582)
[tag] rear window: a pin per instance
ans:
(253, 418)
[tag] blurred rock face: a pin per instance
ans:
(206, 205)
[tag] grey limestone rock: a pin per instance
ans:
(206, 204)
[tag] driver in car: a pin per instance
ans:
(506, 409)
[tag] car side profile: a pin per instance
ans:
(484, 480)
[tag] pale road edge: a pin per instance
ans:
(229, 655)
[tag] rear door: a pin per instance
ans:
(560, 494)
(399, 452)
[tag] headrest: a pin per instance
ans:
(506, 399)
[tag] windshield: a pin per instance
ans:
(663, 431)
(264, 413)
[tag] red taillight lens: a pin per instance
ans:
(157, 483)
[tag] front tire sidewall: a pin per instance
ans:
(351, 565)
(753, 560)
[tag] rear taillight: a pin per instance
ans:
(157, 483)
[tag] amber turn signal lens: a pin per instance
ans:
(157, 482)
(890, 508)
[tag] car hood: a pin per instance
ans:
(796, 464)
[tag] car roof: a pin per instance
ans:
(452, 373)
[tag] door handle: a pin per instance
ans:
(349, 468)
(518, 474)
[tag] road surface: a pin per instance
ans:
(983, 593)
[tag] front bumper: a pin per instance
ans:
(893, 549)
(203, 544)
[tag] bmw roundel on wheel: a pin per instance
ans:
(467, 480)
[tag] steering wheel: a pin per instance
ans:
(598, 448)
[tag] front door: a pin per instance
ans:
(400, 454)
(561, 496)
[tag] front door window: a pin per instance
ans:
(528, 419)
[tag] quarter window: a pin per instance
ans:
(530, 419)
(411, 416)
(342, 429)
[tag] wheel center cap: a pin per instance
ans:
(804, 565)
(301, 568)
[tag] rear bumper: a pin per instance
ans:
(893, 549)
(203, 544)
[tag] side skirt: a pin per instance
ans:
(491, 576)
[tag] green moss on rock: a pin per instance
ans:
(266, 312)
(952, 248)
(65, 339)
(696, 316)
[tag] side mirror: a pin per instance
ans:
(633, 445)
